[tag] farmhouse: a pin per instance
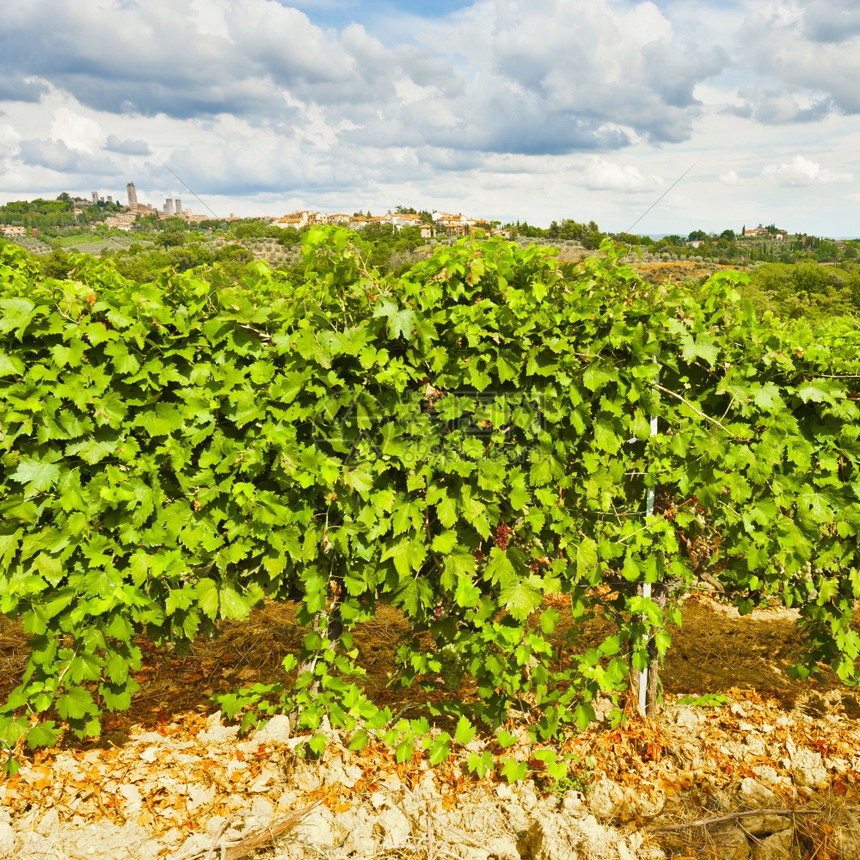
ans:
(764, 233)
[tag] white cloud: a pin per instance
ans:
(233, 155)
(76, 130)
(210, 18)
(730, 177)
(9, 139)
(803, 171)
(602, 174)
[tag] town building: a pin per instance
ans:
(121, 221)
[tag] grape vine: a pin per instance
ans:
(462, 441)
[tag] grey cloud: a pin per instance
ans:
(367, 53)
(127, 147)
(777, 107)
(672, 73)
(428, 70)
(495, 119)
(19, 88)
(744, 111)
(449, 160)
(831, 21)
(794, 54)
(151, 59)
(282, 43)
(510, 121)
(55, 155)
(589, 66)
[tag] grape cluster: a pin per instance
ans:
(502, 535)
(453, 666)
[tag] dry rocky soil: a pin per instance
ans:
(772, 773)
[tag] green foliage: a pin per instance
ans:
(59, 213)
(709, 700)
(587, 235)
(513, 770)
(172, 237)
(250, 228)
(480, 764)
(460, 441)
(806, 290)
(385, 244)
(562, 779)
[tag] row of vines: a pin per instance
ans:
(461, 441)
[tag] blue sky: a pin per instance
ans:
(503, 109)
(340, 13)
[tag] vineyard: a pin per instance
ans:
(533, 463)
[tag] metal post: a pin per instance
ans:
(646, 588)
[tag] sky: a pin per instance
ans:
(657, 117)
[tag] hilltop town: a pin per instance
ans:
(102, 224)
(124, 218)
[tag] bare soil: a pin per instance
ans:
(799, 740)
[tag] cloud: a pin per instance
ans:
(127, 147)
(595, 66)
(598, 78)
(76, 130)
(604, 175)
(673, 73)
(234, 156)
(494, 78)
(505, 120)
(831, 21)
(779, 107)
(810, 52)
(9, 140)
(21, 88)
(55, 155)
(153, 57)
(802, 171)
